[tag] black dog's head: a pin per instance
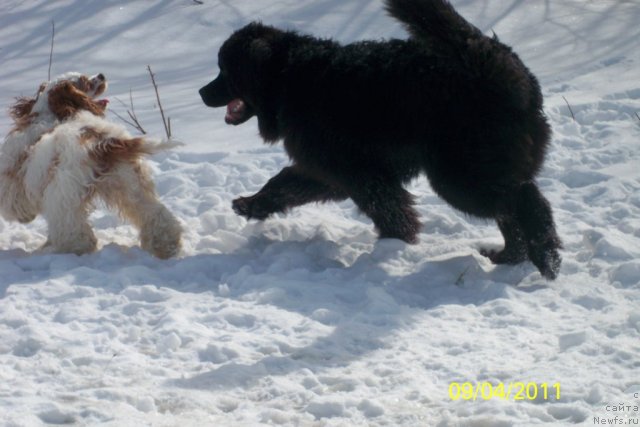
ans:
(248, 63)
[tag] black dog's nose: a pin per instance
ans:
(100, 76)
(216, 93)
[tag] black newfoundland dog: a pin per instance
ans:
(361, 120)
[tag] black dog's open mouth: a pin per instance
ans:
(237, 112)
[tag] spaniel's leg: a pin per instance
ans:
(66, 207)
(129, 189)
(14, 203)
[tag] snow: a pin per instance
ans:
(307, 319)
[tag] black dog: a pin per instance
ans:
(361, 120)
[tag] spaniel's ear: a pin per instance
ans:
(65, 100)
(21, 109)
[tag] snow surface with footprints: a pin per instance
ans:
(307, 319)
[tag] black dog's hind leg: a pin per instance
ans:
(529, 232)
(389, 206)
(533, 213)
(288, 189)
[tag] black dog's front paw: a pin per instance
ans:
(242, 206)
(251, 208)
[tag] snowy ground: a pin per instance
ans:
(307, 319)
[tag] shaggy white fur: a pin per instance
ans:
(58, 168)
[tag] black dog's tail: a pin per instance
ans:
(434, 22)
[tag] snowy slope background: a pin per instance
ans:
(306, 319)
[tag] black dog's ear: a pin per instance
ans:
(260, 50)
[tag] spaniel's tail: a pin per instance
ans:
(434, 22)
(153, 146)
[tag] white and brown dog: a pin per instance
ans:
(62, 155)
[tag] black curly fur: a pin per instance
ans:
(361, 120)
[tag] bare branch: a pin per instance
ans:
(570, 110)
(133, 115)
(53, 35)
(638, 116)
(134, 122)
(167, 124)
(460, 280)
(122, 118)
(131, 111)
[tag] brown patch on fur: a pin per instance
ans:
(100, 89)
(14, 172)
(22, 108)
(107, 152)
(51, 171)
(83, 84)
(55, 162)
(21, 113)
(65, 100)
(90, 134)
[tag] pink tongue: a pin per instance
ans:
(103, 102)
(235, 109)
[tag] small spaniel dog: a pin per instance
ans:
(62, 155)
